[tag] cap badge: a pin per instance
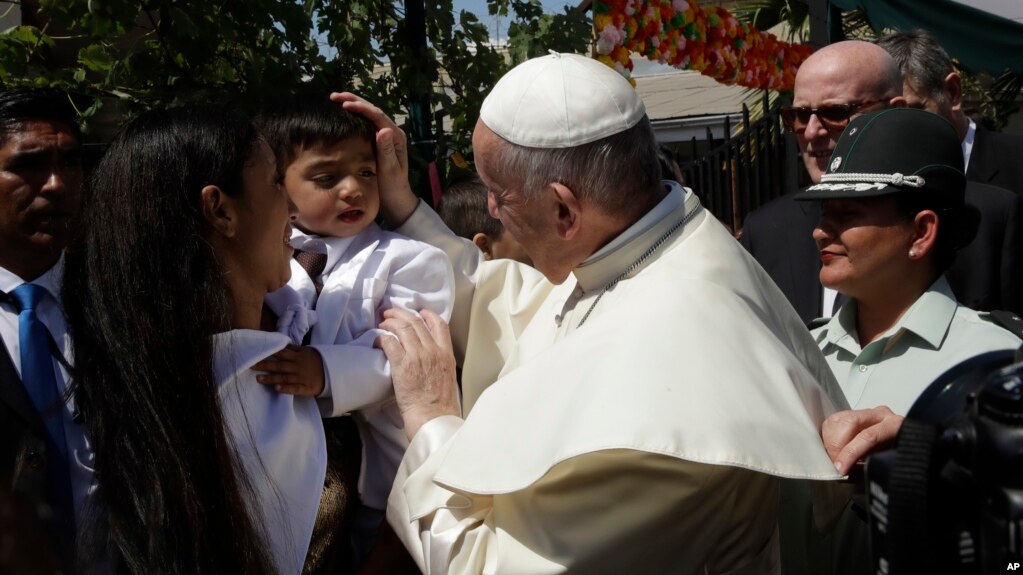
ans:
(835, 163)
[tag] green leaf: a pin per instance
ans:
(310, 7)
(95, 58)
(24, 34)
(149, 53)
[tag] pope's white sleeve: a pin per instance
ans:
(431, 439)
(615, 511)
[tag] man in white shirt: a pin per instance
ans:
(631, 402)
(44, 455)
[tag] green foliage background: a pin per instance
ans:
(123, 56)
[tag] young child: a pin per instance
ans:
(328, 162)
(464, 209)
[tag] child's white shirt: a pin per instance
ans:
(364, 275)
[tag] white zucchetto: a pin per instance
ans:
(561, 101)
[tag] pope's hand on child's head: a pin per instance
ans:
(397, 201)
(293, 370)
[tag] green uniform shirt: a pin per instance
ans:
(934, 334)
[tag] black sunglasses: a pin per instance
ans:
(831, 116)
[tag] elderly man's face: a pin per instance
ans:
(40, 184)
(841, 93)
(530, 222)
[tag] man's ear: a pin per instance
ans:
(897, 102)
(569, 210)
(925, 233)
(219, 211)
(954, 88)
(485, 245)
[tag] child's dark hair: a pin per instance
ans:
(464, 209)
(306, 120)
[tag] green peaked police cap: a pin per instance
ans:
(894, 151)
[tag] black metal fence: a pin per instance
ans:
(743, 172)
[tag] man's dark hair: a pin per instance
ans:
(464, 209)
(20, 105)
(307, 120)
(921, 59)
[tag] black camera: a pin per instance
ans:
(949, 497)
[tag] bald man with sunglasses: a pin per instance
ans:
(834, 85)
(838, 83)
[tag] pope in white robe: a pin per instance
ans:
(649, 440)
(635, 414)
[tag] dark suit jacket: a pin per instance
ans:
(997, 159)
(779, 235)
(24, 455)
(986, 275)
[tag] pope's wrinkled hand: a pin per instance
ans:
(422, 366)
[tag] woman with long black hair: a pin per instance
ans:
(199, 468)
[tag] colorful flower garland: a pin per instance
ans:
(681, 34)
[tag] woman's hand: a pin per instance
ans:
(422, 366)
(293, 370)
(397, 201)
(851, 435)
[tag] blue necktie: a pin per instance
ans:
(37, 372)
(37, 375)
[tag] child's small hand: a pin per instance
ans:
(293, 370)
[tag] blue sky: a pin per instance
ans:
(479, 8)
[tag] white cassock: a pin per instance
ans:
(648, 440)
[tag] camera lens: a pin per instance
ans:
(1001, 399)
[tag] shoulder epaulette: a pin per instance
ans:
(1009, 321)
(816, 323)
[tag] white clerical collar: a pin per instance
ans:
(971, 134)
(333, 247)
(650, 231)
(672, 200)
